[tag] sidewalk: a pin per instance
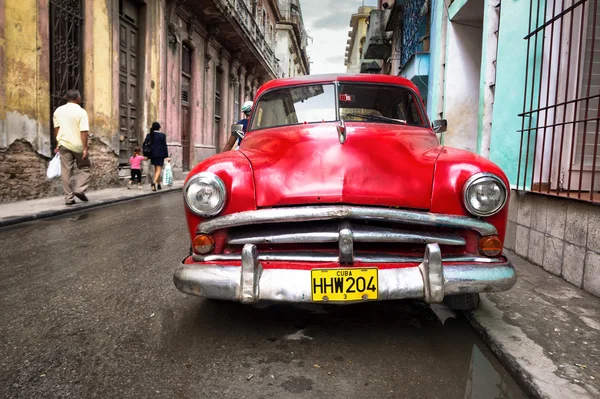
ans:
(546, 332)
(23, 211)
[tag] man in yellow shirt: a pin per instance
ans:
(71, 128)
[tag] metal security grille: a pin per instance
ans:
(66, 55)
(559, 132)
(415, 27)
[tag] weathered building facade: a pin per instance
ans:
(292, 39)
(517, 82)
(356, 39)
(188, 65)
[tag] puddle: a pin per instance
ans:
(484, 381)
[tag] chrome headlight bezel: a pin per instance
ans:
(206, 178)
(480, 178)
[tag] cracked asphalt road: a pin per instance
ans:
(89, 310)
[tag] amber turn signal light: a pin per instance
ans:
(204, 244)
(490, 245)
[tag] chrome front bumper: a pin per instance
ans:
(430, 281)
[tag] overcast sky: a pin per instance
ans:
(327, 22)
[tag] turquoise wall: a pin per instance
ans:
(505, 142)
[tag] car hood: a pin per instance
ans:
(379, 164)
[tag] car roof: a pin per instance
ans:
(344, 77)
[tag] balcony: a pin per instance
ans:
(253, 31)
(240, 33)
(378, 42)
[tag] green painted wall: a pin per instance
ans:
(505, 142)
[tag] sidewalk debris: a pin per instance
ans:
(525, 327)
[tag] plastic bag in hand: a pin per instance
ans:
(168, 174)
(53, 171)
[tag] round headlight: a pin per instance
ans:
(205, 194)
(484, 194)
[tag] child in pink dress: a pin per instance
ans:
(136, 167)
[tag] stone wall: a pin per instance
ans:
(559, 234)
(104, 165)
(23, 174)
(23, 171)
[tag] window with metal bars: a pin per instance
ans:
(66, 54)
(186, 72)
(560, 130)
(236, 100)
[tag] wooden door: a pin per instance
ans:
(128, 80)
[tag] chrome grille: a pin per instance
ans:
(346, 234)
(293, 234)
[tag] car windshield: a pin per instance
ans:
(294, 105)
(358, 102)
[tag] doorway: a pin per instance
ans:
(128, 79)
(66, 52)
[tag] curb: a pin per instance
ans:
(517, 372)
(11, 221)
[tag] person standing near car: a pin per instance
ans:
(71, 128)
(158, 152)
(235, 140)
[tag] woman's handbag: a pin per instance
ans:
(147, 146)
(53, 171)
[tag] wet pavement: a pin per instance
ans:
(88, 309)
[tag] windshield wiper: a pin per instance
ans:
(380, 118)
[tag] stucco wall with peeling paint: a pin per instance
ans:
(24, 80)
(25, 114)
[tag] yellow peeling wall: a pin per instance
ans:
(98, 72)
(25, 113)
(25, 64)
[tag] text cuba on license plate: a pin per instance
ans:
(344, 284)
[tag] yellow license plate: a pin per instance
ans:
(344, 284)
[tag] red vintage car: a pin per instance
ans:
(341, 193)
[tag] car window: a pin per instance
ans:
(394, 102)
(295, 105)
(373, 103)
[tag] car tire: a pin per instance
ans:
(462, 301)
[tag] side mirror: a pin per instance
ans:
(439, 125)
(237, 130)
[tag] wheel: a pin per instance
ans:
(462, 301)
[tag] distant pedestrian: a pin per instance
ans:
(156, 142)
(136, 168)
(71, 128)
(234, 140)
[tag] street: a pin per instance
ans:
(89, 309)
